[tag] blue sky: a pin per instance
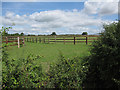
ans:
(61, 17)
(30, 7)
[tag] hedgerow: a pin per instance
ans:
(104, 61)
(66, 73)
(21, 73)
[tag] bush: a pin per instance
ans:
(84, 33)
(104, 64)
(67, 73)
(53, 33)
(22, 73)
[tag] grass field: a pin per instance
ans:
(49, 52)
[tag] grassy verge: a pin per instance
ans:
(49, 52)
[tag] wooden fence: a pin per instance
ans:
(55, 39)
(15, 41)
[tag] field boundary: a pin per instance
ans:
(62, 39)
(15, 40)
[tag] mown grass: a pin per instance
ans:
(49, 52)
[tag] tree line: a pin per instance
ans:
(4, 32)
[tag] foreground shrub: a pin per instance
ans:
(22, 73)
(104, 61)
(66, 73)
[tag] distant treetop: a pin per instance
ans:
(84, 33)
(53, 33)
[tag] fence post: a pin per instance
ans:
(39, 40)
(48, 40)
(36, 39)
(18, 42)
(30, 39)
(6, 40)
(64, 40)
(74, 40)
(44, 40)
(23, 41)
(33, 40)
(27, 39)
(86, 40)
(55, 39)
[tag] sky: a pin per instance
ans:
(70, 17)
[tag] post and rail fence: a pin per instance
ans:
(64, 39)
(13, 40)
(20, 40)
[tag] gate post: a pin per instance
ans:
(18, 42)
(74, 40)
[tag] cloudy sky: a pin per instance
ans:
(37, 17)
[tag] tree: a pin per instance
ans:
(16, 34)
(104, 61)
(53, 33)
(4, 30)
(22, 34)
(84, 33)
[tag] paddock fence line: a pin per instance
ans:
(62, 39)
(13, 40)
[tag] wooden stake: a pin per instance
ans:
(30, 39)
(64, 40)
(74, 40)
(86, 40)
(39, 40)
(23, 41)
(33, 40)
(27, 39)
(36, 40)
(18, 42)
(44, 40)
(48, 40)
(55, 39)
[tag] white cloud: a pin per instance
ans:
(103, 0)
(74, 21)
(90, 7)
(59, 19)
(101, 8)
(9, 14)
(108, 8)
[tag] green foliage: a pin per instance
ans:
(22, 73)
(53, 33)
(31, 35)
(4, 30)
(50, 52)
(16, 34)
(66, 73)
(22, 34)
(84, 33)
(5, 45)
(104, 61)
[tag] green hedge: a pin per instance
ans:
(66, 73)
(104, 61)
(21, 73)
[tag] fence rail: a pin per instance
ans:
(61, 39)
(15, 41)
